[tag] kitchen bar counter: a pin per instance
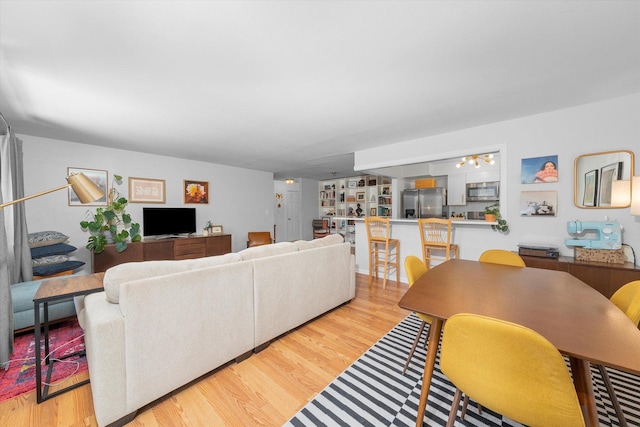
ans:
(407, 232)
(455, 222)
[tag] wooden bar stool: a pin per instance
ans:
(383, 251)
(435, 234)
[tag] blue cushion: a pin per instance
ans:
(47, 270)
(57, 249)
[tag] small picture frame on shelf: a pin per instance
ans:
(360, 197)
(352, 184)
(373, 212)
(215, 229)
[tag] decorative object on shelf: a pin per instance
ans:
(475, 160)
(87, 191)
(97, 177)
(215, 230)
(111, 220)
(196, 192)
(538, 203)
(146, 190)
(492, 214)
(360, 197)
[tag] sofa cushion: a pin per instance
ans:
(46, 238)
(57, 249)
(49, 269)
(127, 272)
(48, 260)
(268, 250)
(334, 239)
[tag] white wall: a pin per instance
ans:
(597, 127)
(240, 199)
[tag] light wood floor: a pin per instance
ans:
(264, 390)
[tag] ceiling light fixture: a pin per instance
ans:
(289, 180)
(476, 159)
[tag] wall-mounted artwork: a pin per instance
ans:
(99, 177)
(146, 190)
(590, 188)
(537, 170)
(538, 203)
(608, 174)
(196, 192)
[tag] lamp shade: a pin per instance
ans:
(635, 196)
(86, 189)
(620, 193)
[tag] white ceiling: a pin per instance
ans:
(295, 87)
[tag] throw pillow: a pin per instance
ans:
(47, 270)
(57, 249)
(46, 238)
(49, 260)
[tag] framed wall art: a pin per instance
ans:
(590, 188)
(538, 203)
(99, 177)
(538, 170)
(196, 192)
(146, 190)
(608, 174)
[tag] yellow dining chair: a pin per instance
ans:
(435, 235)
(500, 256)
(384, 252)
(415, 268)
(509, 369)
(627, 299)
(495, 256)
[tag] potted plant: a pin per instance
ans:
(111, 221)
(492, 214)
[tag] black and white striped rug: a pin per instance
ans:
(373, 391)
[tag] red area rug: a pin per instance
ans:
(64, 338)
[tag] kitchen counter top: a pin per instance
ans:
(457, 221)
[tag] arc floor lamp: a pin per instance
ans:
(86, 190)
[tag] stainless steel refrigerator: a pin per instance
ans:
(424, 203)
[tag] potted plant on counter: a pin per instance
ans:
(111, 223)
(492, 214)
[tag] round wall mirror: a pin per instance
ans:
(602, 180)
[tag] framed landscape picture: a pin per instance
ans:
(196, 192)
(99, 177)
(146, 190)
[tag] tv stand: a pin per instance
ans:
(163, 249)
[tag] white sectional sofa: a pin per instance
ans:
(161, 324)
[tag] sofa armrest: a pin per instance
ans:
(106, 357)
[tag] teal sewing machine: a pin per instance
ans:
(595, 234)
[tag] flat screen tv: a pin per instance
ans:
(168, 221)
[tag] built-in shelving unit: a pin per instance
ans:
(358, 197)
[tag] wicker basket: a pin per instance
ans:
(614, 256)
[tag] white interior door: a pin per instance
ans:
(293, 215)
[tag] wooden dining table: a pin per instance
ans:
(577, 319)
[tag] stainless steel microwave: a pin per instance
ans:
(483, 191)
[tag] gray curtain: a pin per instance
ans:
(15, 255)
